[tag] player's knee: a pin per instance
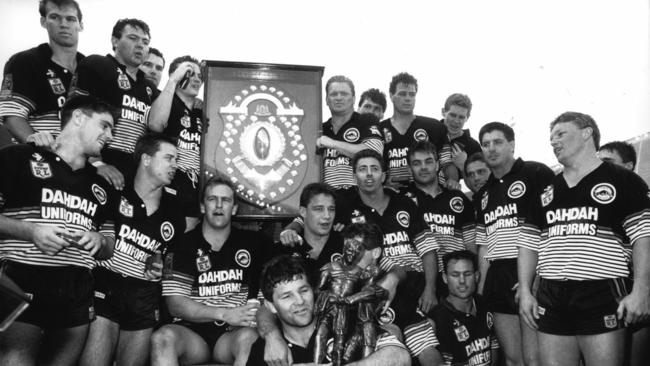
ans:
(246, 337)
(163, 339)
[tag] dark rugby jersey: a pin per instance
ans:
(586, 229)
(464, 339)
(396, 145)
(185, 125)
(35, 88)
(407, 237)
(138, 236)
(38, 186)
(105, 78)
(331, 252)
(360, 129)
(450, 216)
(225, 278)
(502, 204)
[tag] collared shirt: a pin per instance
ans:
(186, 126)
(331, 252)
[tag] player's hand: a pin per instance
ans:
(91, 241)
(528, 308)
(112, 175)
(290, 238)
(324, 142)
(154, 272)
(458, 156)
(388, 283)
(276, 351)
(427, 300)
(42, 139)
(634, 308)
(452, 184)
(180, 71)
(48, 239)
(242, 316)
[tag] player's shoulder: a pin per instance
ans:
(96, 61)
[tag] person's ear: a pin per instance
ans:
(269, 305)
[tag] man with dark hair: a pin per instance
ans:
(153, 66)
(117, 80)
(127, 290)
(464, 327)
(477, 172)
(37, 80)
(501, 205)
(373, 101)
(618, 152)
(455, 114)
(214, 273)
(177, 112)
(577, 240)
(404, 129)
(56, 218)
(345, 133)
(448, 213)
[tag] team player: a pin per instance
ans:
(153, 66)
(477, 172)
(620, 153)
(373, 101)
(404, 129)
(501, 205)
(455, 114)
(36, 81)
(345, 133)
(463, 325)
(449, 214)
(117, 80)
(177, 112)
(127, 291)
(585, 218)
(215, 269)
(56, 217)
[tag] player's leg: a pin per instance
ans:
(506, 327)
(529, 344)
(101, 342)
(605, 349)
(233, 347)
(19, 344)
(558, 350)
(63, 346)
(133, 347)
(640, 347)
(176, 344)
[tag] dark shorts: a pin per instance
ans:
(501, 277)
(210, 332)
(580, 307)
(62, 296)
(132, 303)
(187, 192)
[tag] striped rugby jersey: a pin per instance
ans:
(587, 230)
(186, 125)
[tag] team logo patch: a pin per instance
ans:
(420, 135)
(461, 331)
(186, 121)
(99, 193)
(387, 317)
(123, 81)
(167, 230)
(7, 85)
(57, 86)
(517, 189)
(100, 295)
(541, 310)
(203, 263)
(490, 320)
(375, 130)
(351, 135)
(388, 136)
(243, 258)
(484, 200)
(336, 257)
(403, 218)
(457, 205)
(357, 217)
(126, 208)
(547, 196)
(610, 321)
(603, 193)
(41, 169)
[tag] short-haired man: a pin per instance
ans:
(449, 214)
(177, 112)
(214, 273)
(618, 152)
(373, 101)
(578, 234)
(463, 325)
(501, 205)
(56, 217)
(477, 172)
(153, 66)
(36, 81)
(117, 80)
(345, 133)
(289, 294)
(404, 129)
(455, 114)
(127, 291)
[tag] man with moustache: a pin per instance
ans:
(117, 80)
(153, 66)
(36, 81)
(373, 101)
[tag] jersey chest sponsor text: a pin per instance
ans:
(60, 205)
(133, 109)
(572, 221)
(397, 157)
(215, 283)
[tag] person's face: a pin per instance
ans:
(293, 301)
(404, 98)
(369, 175)
(461, 278)
(455, 119)
(132, 48)
(424, 167)
(319, 214)
(368, 106)
(62, 24)
(340, 99)
(219, 206)
(612, 156)
(96, 130)
(153, 67)
(498, 151)
(476, 175)
(567, 140)
(162, 165)
(193, 87)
